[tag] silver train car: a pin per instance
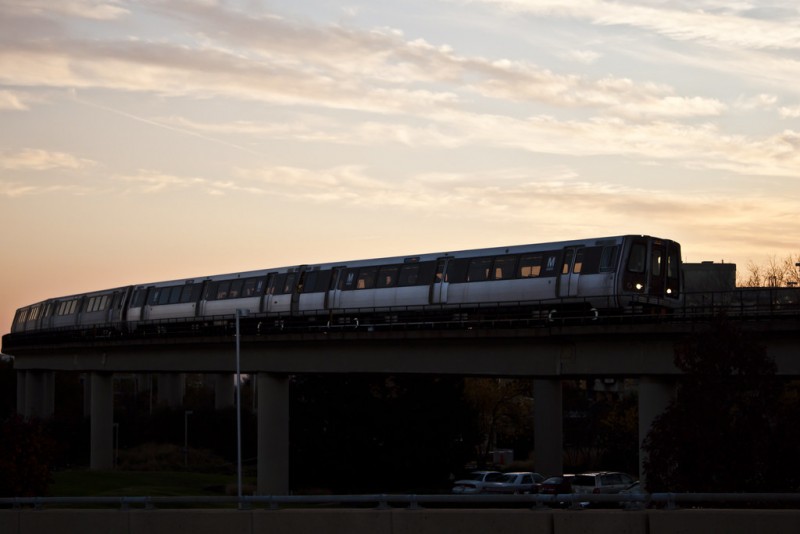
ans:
(591, 275)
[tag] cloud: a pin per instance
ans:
(11, 100)
(790, 112)
(41, 160)
(87, 9)
(269, 59)
(725, 28)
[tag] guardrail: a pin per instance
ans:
(668, 501)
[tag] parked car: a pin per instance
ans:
(474, 482)
(556, 485)
(517, 482)
(601, 482)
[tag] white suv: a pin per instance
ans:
(601, 482)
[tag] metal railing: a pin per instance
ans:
(668, 501)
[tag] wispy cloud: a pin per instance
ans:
(13, 100)
(41, 160)
(710, 23)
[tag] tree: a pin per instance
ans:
(719, 433)
(26, 454)
(776, 273)
(503, 411)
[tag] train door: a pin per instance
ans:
(333, 294)
(570, 272)
(658, 269)
(297, 289)
(440, 283)
(146, 307)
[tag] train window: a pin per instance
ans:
(97, 303)
(504, 267)
(550, 262)
(190, 293)
(576, 268)
(34, 313)
(211, 291)
(567, 260)
(235, 291)
(456, 271)
(251, 286)
(366, 278)
(276, 284)
(322, 282)
(348, 280)
(308, 280)
(387, 276)
(608, 259)
(636, 260)
(67, 307)
(530, 266)
(22, 317)
(408, 275)
(163, 297)
(222, 289)
(672, 264)
(414, 274)
(656, 261)
(174, 294)
(138, 298)
(479, 269)
(289, 283)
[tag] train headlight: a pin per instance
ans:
(639, 287)
(669, 291)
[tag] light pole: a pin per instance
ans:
(186, 415)
(239, 314)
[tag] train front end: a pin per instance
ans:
(650, 274)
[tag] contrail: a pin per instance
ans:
(161, 125)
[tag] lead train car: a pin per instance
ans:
(611, 273)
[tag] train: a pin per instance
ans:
(591, 276)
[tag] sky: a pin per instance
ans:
(164, 139)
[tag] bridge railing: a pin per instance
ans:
(668, 501)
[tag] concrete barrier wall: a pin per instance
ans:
(398, 521)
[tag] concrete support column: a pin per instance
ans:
(34, 394)
(21, 378)
(171, 387)
(548, 426)
(48, 394)
(273, 434)
(102, 421)
(224, 391)
(655, 395)
(86, 380)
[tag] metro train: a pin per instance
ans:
(593, 275)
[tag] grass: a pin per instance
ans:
(85, 483)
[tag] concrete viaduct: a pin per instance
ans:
(547, 354)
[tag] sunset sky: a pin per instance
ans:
(155, 140)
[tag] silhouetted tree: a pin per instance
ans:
(26, 454)
(719, 433)
(503, 410)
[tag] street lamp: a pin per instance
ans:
(239, 314)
